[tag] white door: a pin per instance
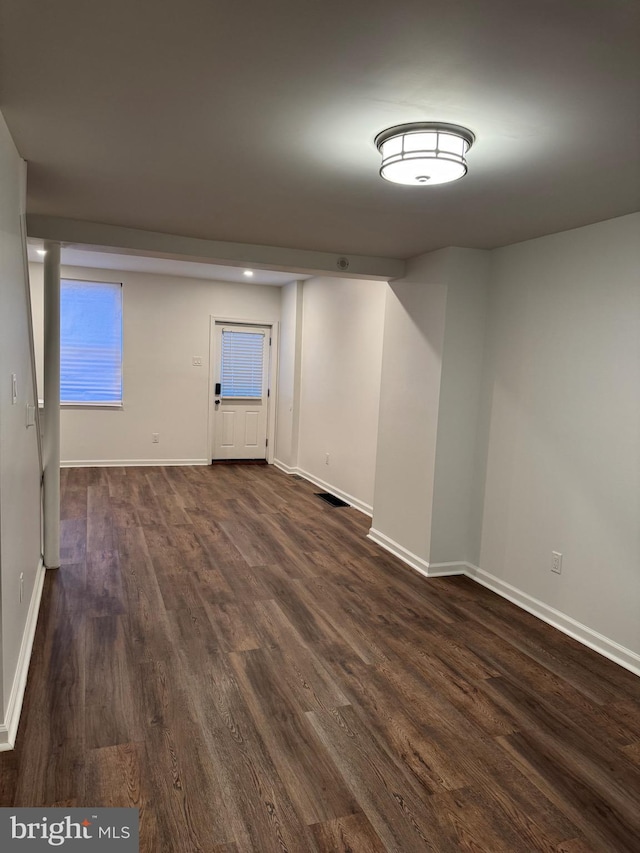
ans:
(241, 397)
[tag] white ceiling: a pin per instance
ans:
(254, 122)
(74, 257)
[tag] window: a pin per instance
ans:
(241, 367)
(90, 343)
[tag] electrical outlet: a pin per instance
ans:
(326, 459)
(196, 361)
(556, 562)
(155, 438)
(21, 585)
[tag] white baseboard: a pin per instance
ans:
(583, 634)
(9, 728)
(286, 468)
(129, 463)
(445, 570)
(356, 503)
(397, 550)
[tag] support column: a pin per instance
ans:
(51, 448)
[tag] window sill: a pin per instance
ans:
(112, 406)
(91, 406)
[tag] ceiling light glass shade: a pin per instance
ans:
(424, 153)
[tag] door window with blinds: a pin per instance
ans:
(241, 365)
(90, 343)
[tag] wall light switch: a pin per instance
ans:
(31, 415)
(14, 389)
(196, 361)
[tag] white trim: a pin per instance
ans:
(9, 729)
(70, 404)
(128, 463)
(446, 570)
(582, 633)
(356, 503)
(398, 551)
(286, 468)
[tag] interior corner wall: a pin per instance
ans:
(559, 449)
(20, 543)
(342, 331)
(408, 421)
(289, 366)
(166, 323)
(453, 536)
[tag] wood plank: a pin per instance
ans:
(182, 778)
(312, 780)
(104, 595)
(307, 679)
(111, 712)
(259, 812)
(352, 834)
(402, 816)
(99, 520)
(433, 761)
(232, 625)
(612, 822)
(116, 777)
(73, 540)
(575, 845)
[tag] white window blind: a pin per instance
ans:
(241, 364)
(90, 342)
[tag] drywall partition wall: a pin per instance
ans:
(409, 398)
(342, 327)
(561, 428)
(454, 539)
(20, 564)
(166, 324)
(289, 367)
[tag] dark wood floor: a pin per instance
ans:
(229, 654)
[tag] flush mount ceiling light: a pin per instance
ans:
(424, 153)
(248, 273)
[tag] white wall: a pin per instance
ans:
(408, 425)
(452, 531)
(342, 329)
(288, 412)
(560, 439)
(19, 462)
(166, 323)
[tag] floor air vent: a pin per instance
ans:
(331, 499)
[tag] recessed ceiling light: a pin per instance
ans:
(41, 252)
(248, 273)
(424, 153)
